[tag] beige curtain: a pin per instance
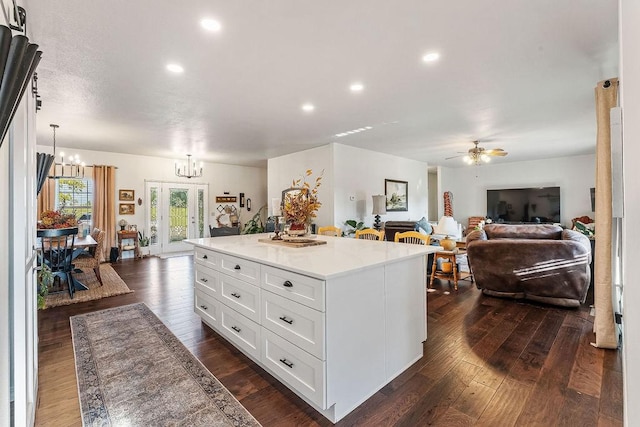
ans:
(47, 197)
(104, 204)
(604, 324)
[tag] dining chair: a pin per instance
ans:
(412, 237)
(56, 247)
(330, 230)
(87, 259)
(370, 234)
(223, 231)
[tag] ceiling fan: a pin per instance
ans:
(479, 155)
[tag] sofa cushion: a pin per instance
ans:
(523, 231)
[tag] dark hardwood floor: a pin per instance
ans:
(487, 361)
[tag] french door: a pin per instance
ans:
(176, 211)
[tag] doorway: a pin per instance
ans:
(176, 211)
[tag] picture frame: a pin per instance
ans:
(133, 227)
(126, 195)
(127, 208)
(397, 195)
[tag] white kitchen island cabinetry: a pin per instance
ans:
(333, 322)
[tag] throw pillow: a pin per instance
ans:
(423, 226)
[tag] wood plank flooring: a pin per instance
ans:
(487, 362)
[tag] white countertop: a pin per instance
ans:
(338, 257)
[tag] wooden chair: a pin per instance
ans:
(89, 260)
(370, 234)
(57, 253)
(412, 237)
(330, 230)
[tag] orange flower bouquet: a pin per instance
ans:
(55, 219)
(301, 204)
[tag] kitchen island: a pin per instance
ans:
(333, 322)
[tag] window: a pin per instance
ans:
(75, 196)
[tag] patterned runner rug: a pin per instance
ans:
(132, 371)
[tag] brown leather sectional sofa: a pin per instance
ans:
(538, 262)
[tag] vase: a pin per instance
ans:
(297, 230)
(448, 243)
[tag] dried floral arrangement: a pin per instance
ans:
(300, 206)
(55, 219)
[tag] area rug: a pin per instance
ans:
(132, 371)
(112, 284)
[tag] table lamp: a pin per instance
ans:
(449, 227)
(379, 208)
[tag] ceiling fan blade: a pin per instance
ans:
(499, 153)
(454, 157)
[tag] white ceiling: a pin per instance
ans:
(516, 74)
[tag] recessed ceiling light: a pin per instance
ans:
(431, 57)
(356, 87)
(308, 107)
(175, 68)
(210, 25)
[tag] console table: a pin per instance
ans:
(331, 326)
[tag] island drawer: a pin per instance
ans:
(295, 367)
(296, 287)
(244, 333)
(240, 296)
(207, 307)
(206, 257)
(207, 280)
(239, 268)
(298, 324)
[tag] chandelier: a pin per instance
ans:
(188, 169)
(73, 169)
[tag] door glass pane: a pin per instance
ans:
(153, 216)
(178, 215)
(201, 213)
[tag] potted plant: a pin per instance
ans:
(45, 279)
(301, 204)
(255, 224)
(143, 243)
(354, 226)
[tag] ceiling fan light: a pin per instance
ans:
(466, 159)
(485, 158)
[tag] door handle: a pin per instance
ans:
(235, 295)
(235, 328)
(237, 267)
(287, 284)
(286, 320)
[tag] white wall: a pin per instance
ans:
(361, 173)
(133, 170)
(348, 172)
(574, 175)
(630, 101)
(284, 169)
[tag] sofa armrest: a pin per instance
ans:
(581, 239)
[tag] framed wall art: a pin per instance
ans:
(127, 209)
(397, 194)
(126, 195)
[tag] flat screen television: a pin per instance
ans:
(524, 205)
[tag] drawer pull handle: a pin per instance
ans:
(204, 307)
(237, 267)
(235, 295)
(205, 257)
(235, 328)
(286, 362)
(204, 280)
(284, 319)
(287, 284)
